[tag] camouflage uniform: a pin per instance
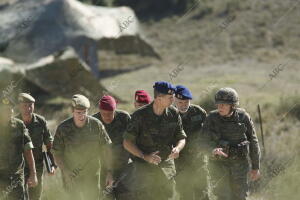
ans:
(14, 141)
(40, 134)
(236, 135)
(121, 168)
(80, 150)
(151, 133)
(189, 184)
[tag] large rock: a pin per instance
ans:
(65, 76)
(31, 30)
(51, 76)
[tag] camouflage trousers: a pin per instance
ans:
(11, 187)
(83, 187)
(229, 179)
(154, 182)
(191, 184)
(122, 189)
(34, 193)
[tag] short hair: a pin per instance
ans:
(74, 108)
(157, 94)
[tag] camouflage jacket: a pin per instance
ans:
(40, 134)
(233, 130)
(151, 132)
(80, 148)
(116, 130)
(14, 141)
(192, 122)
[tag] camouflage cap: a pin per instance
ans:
(227, 96)
(25, 98)
(80, 102)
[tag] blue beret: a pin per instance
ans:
(183, 92)
(164, 87)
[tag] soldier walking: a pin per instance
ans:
(152, 131)
(78, 143)
(15, 144)
(235, 145)
(190, 178)
(115, 122)
(40, 135)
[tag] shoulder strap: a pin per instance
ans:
(241, 116)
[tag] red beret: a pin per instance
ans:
(142, 96)
(107, 103)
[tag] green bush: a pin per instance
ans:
(207, 101)
(289, 106)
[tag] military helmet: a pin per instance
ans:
(227, 96)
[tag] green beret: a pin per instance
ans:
(25, 98)
(80, 102)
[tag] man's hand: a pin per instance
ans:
(174, 153)
(254, 174)
(219, 152)
(109, 180)
(53, 170)
(32, 181)
(153, 158)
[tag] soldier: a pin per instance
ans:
(116, 122)
(40, 135)
(190, 178)
(150, 136)
(78, 143)
(141, 98)
(234, 142)
(15, 144)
